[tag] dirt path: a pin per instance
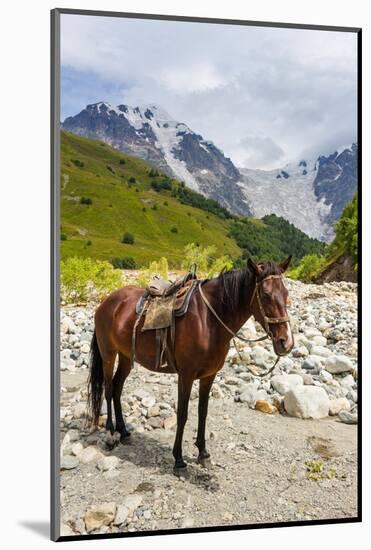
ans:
(260, 472)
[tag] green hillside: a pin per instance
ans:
(106, 194)
(114, 205)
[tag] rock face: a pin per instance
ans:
(307, 402)
(153, 135)
(311, 197)
(336, 180)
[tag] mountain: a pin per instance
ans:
(311, 194)
(106, 194)
(150, 133)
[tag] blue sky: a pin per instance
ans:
(265, 96)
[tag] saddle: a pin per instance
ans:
(160, 305)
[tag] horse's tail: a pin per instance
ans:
(95, 381)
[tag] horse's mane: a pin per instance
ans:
(236, 284)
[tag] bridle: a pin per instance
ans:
(266, 320)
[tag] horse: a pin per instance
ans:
(202, 340)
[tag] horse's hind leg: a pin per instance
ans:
(203, 402)
(108, 366)
(121, 374)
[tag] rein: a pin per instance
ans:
(266, 320)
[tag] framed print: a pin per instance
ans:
(206, 274)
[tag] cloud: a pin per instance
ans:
(263, 95)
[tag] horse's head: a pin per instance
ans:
(269, 302)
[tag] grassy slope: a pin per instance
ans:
(117, 208)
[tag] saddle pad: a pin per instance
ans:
(159, 313)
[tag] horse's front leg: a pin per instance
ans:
(203, 402)
(184, 391)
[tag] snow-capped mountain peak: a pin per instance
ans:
(149, 132)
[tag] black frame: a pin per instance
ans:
(55, 258)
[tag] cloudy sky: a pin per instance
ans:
(265, 96)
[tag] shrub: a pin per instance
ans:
(174, 229)
(155, 268)
(78, 163)
(132, 180)
(84, 279)
(89, 243)
(63, 237)
(127, 238)
(127, 262)
(86, 200)
(112, 170)
(308, 267)
(122, 161)
(144, 209)
(164, 185)
(154, 207)
(204, 258)
(166, 203)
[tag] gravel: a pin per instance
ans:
(258, 433)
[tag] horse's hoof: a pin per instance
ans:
(124, 437)
(179, 467)
(205, 462)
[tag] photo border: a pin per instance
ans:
(55, 275)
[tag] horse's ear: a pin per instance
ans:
(253, 267)
(285, 264)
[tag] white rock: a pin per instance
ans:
(321, 351)
(129, 504)
(90, 454)
(339, 404)
(337, 364)
(108, 463)
(285, 382)
(301, 351)
(325, 376)
(307, 402)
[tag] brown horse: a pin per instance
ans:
(202, 340)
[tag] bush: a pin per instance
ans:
(86, 200)
(63, 237)
(78, 163)
(132, 180)
(84, 279)
(308, 267)
(204, 258)
(122, 161)
(174, 229)
(155, 268)
(110, 169)
(164, 185)
(127, 238)
(127, 262)
(144, 209)
(153, 173)
(154, 207)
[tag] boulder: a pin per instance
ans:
(285, 382)
(250, 394)
(339, 404)
(108, 463)
(321, 351)
(265, 407)
(90, 454)
(69, 462)
(127, 507)
(307, 402)
(99, 516)
(336, 364)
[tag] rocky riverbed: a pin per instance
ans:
(283, 447)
